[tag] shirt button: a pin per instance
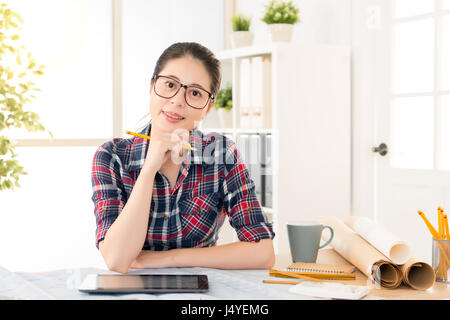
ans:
(166, 216)
(164, 243)
(200, 209)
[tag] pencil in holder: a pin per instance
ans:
(441, 259)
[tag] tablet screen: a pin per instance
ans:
(156, 283)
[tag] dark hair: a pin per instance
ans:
(196, 51)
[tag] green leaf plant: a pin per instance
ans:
(17, 68)
(224, 98)
(240, 22)
(281, 12)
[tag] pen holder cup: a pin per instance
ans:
(441, 260)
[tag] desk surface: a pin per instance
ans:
(63, 284)
(224, 285)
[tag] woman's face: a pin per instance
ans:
(169, 114)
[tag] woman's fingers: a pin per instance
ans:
(164, 146)
(177, 153)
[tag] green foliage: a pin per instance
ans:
(281, 12)
(224, 98)
(17, 67)
(240, 22)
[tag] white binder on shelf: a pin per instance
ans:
(245, 88)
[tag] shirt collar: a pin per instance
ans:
(140, 145)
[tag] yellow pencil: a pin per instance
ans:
(440, 229)
(281, 282)
(447, 234)
(433, 231)
(443, 224)
(148, 137)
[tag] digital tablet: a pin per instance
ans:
(144, 283)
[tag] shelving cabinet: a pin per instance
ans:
(309, 127)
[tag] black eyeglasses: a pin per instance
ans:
(194, 96)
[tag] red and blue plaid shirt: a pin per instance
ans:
(213, 182)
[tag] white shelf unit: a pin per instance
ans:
(311, 131)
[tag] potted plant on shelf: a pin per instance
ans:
(224, 104)
(17, 68)
(241, 35)
(280, 17)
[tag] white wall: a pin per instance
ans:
(322, 21)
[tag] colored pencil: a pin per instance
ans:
(148, 137)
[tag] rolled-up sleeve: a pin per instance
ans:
(107, 190)
(243, 207)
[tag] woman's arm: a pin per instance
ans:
(236, 255)
(124, 239)
(126, 236)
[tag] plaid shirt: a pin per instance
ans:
(213, 182)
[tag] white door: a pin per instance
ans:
(402, 65)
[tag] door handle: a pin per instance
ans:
(382, 149)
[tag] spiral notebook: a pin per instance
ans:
(305, 267)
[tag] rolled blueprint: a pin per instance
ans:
(382, 239)
(417, 274)
(362, 254)
(372, 262)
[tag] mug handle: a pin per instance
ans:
(331, 237)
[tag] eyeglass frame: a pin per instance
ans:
(210, 98)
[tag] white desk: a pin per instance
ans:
(224, 285)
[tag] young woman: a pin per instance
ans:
(159, 204)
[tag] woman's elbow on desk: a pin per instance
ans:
(255, 255)
(117, 268)
(114, 264)
(270, 261)
(269, 254)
